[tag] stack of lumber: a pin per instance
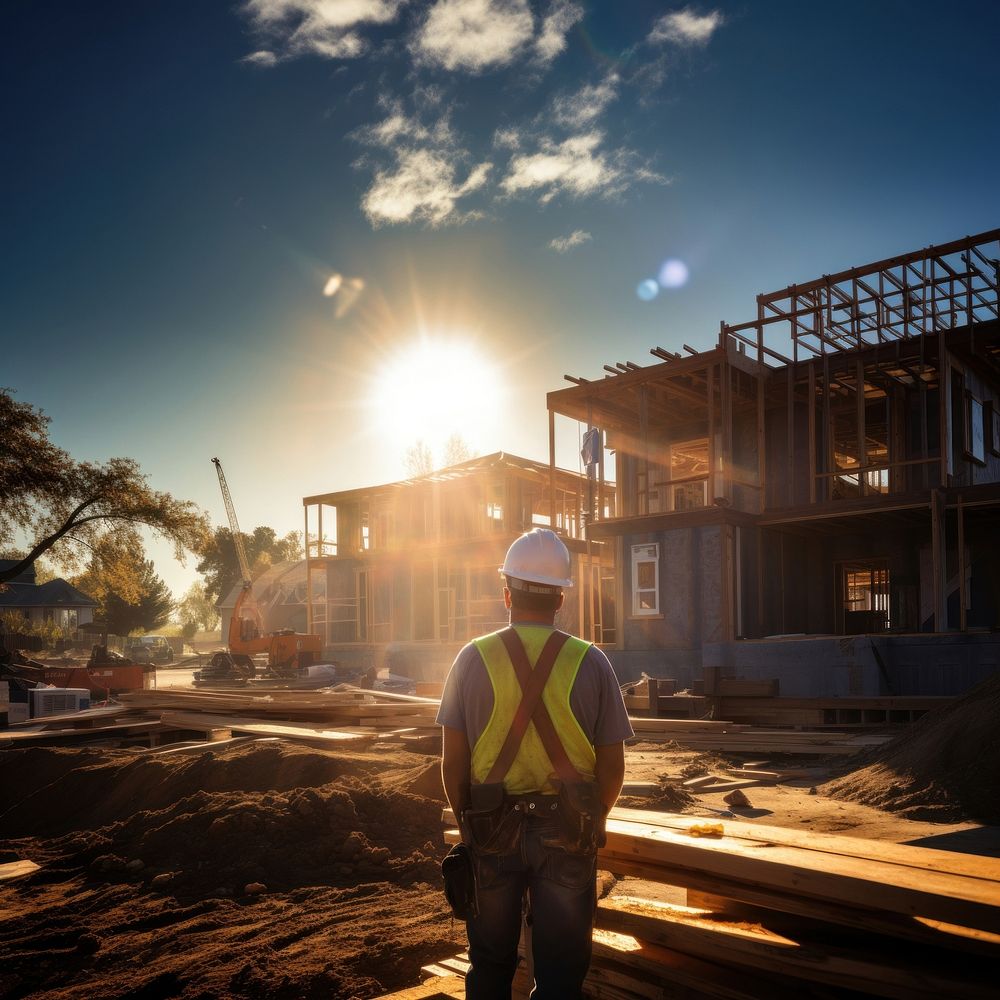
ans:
(774, 912)
(114, 722)
(347, 706)
(730, 737)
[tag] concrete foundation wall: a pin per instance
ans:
(847, 666)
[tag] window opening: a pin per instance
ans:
(646, 579)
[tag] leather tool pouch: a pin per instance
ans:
(459, 872)
(581, 818)
(490, 824)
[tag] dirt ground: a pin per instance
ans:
(272, 869)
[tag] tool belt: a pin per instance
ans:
(493, 821)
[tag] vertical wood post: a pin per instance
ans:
(309, 593)
(790, 456)
(713, 458)
(944, 402)
(859, 403)
(962, 588)
(939, 561)
(812, 431)
(552, 470)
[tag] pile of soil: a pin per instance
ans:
(265, 869)
(945, 768)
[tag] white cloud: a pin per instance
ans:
(507, 138)
(685, 27)
(586, 105)
(561, 244)
(474, 35)
(261, 58)
(398, 127)
(575, 167)
(320, 27)
(421, 188)
(555, 25)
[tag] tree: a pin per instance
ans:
(54, 499)
(150, 612)
(130, 595)
(418, 459)
(457, 450)
(219, 564)
(196, 611)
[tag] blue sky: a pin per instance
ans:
(181, 182)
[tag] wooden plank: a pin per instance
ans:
(881, 971)
(707, 979)
(118, 730)
(865, 884)
(933, 933)
(17, 869)
(908, 855)
(796, 908)
(721, 785)
(198, 721)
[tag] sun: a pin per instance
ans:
(435, 387)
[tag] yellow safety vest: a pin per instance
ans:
(532, 770)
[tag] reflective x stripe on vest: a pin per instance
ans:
(532, 769)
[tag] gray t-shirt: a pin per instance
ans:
(595, 700)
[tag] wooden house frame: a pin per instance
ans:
(829, 467)
(410, 567)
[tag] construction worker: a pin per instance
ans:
(533, 760)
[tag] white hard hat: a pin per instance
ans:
(538, 556)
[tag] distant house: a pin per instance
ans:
(280, 596)
(55, 601)
(829, 471)
(410, 568)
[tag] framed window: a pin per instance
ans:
(689, 462)
(645, 580)
(993, 427)
(975, 429)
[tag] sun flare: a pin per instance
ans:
(437, 387)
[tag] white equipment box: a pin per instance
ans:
(57, 701)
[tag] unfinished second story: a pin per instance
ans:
(493, 496)
(878, 382)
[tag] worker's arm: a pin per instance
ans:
(609, 773)
(456, 768)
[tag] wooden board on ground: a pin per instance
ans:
(878, 970)
(115, 730)
(908, 855)
(17, 869)
(440, 987)
(198, 722)
(680, 859)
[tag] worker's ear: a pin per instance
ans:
(506, 598)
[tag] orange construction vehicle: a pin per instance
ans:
(288, 652)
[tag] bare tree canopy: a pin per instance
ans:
(49, 497)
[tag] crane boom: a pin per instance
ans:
(234, 525)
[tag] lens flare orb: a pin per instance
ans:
(647, 290)
(674, 273)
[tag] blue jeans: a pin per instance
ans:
(562, 891)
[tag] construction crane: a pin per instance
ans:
(288, 652)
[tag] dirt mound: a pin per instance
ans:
(263, 870)
(944, 768)
(73, 789)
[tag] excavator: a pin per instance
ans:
(288, 653)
